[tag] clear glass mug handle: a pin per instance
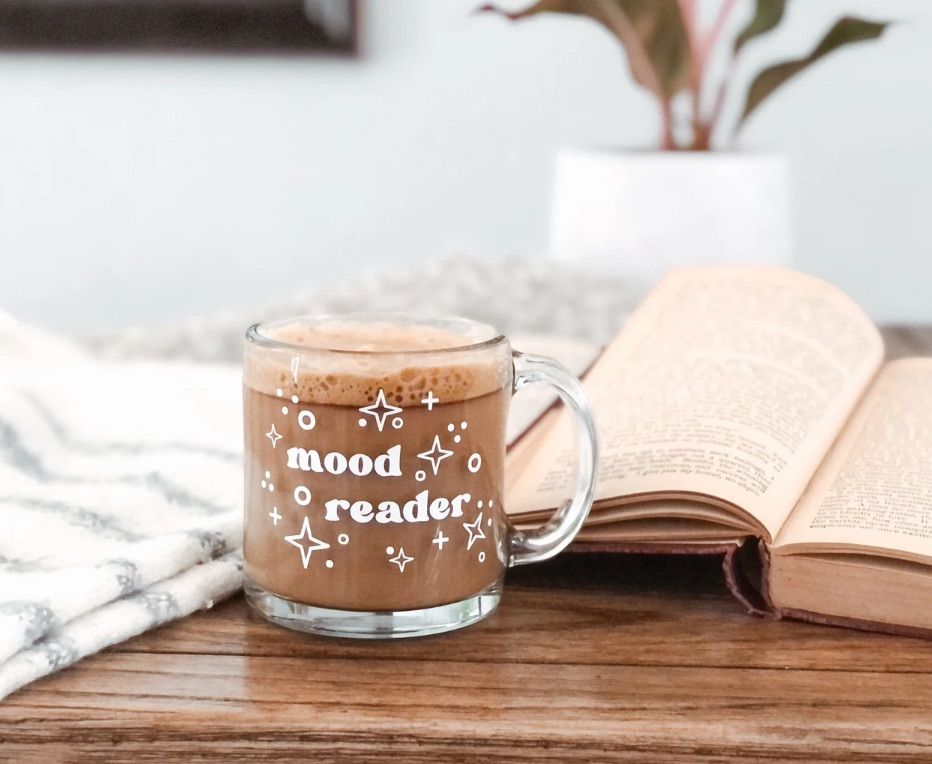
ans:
(543, 543)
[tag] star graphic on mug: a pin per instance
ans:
(380, 410)
(306, 542)
(401, 559)
(436, 454)
(273, 436)
(475, 531)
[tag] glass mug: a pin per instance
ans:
(374, 472)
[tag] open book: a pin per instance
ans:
(742, 404)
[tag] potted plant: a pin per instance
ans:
(641, 212)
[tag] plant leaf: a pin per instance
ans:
(767, 14)
(651, 31)
(845, 32)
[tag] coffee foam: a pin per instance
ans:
(373, 336)
(350, 379)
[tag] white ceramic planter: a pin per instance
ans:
(639, 214)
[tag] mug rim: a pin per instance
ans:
(255, 333)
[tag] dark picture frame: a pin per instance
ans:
(300, 27)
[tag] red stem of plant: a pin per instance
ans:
(700, 49)
(724, 11)
(688, 10)
(719, 104)
(666, 125)
(704, 128)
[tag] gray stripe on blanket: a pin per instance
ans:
(173, 492)
(213, 543)
(127, 574)
(25, 461)
(162, 606)
(57, 653)
(18, 455)
(18, 564)
(37, 618)
(75, 515)
(117, 446)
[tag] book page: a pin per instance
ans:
(533, 401)
(729, 382)
(875, 488)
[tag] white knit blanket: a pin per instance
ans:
(120, 498)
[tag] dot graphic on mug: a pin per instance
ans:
(329, 563)
(343, 539)
(491, 502)
(481, 556)
(479, 504)
(389, 550)
(451, 427)
(362, 422)
(307, 420)
(420, 475)
(302, 495)
(489, 521)
(294, 399)
(267, 484)
(398, 422)
(279, 392)
(474, 464)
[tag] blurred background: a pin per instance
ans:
(146, 180)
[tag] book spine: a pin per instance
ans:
(746, 566)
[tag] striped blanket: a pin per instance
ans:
(120, 498)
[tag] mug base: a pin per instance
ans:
(361, 624)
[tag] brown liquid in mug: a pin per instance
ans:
(377, 485)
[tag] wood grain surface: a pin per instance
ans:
(594, 657)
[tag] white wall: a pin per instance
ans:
(140, 189)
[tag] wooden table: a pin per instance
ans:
(589, 656)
